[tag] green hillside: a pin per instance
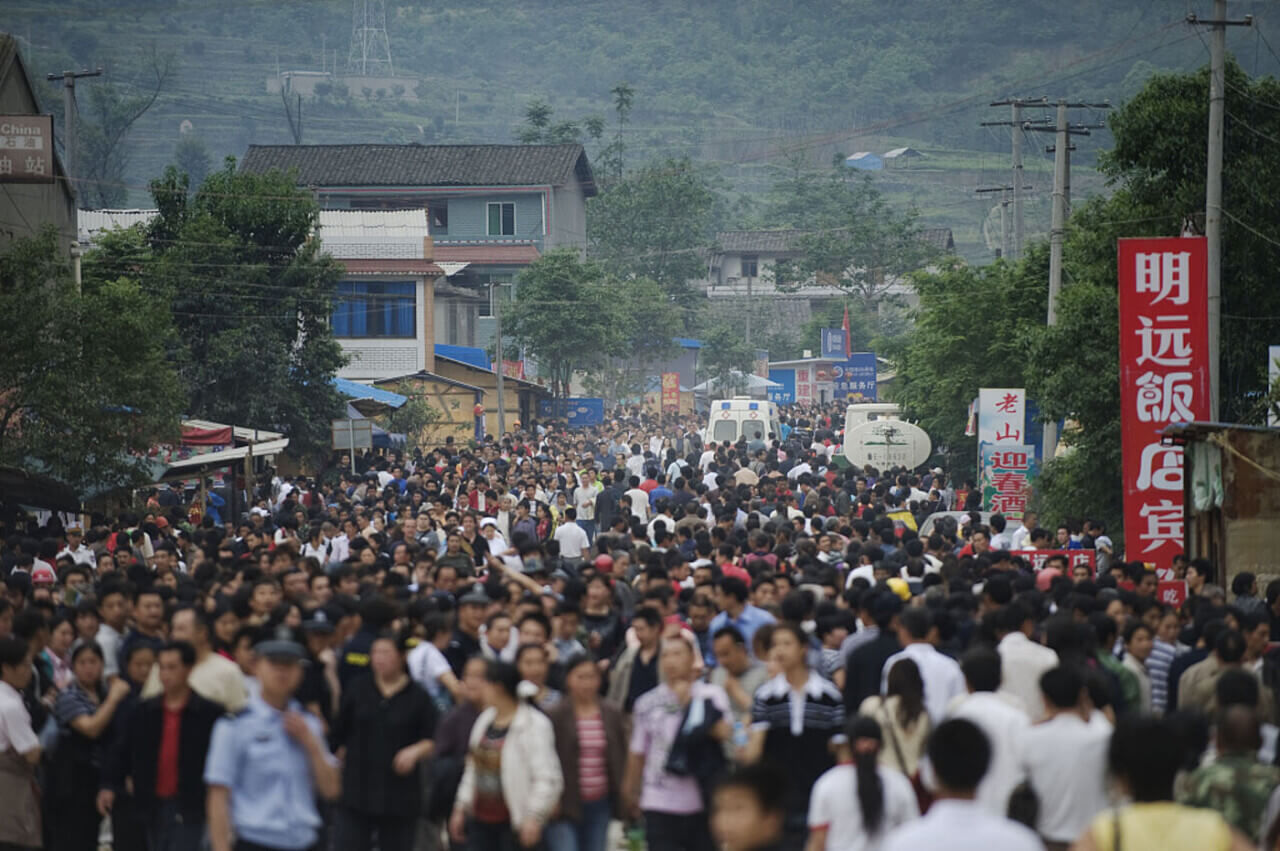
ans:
(739, 85)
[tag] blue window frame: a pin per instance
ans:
(375, 309)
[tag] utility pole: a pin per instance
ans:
(1005, 201)
(502, 396)
(68, 79)
(1016, 122)
(1058, 225)
(1213, 185)
(748, 335)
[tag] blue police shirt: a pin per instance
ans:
(273, 797)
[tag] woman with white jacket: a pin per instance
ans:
(512, 781)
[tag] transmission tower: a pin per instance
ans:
(370, 54)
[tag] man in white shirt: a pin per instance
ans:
(1022, 660)
(635, 463)
(943, 680)
(573, 541)
(1065, 759)
(1021, 539)
(76, 549)
(1001, 539)
(639, 501)
(958, 755)
(1005, 725)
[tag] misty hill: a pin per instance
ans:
(739, 84)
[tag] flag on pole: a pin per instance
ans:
(848, 343)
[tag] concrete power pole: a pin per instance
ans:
(68, 79)
(1018, 126)
(1058, 226)
(502, 395)
(1213, 186)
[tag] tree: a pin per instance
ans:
(251, 295)
(414, 417)
(647, 340)
(854, 240)
(102, 157)
(191, 157)
(567, 313)
(85, 387)
(968, 333)
(655, 223)
(726, 358)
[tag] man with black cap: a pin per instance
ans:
(267, 765)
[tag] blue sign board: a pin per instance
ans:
(580, 413)
(833, 343)
(786, 394)
(856, 377)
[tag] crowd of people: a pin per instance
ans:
(570, 639)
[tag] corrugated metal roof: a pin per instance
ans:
(469, 355)
(381, 224)
(93, 222)
(426, 165)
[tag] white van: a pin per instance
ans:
(743, 417)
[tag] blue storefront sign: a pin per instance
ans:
(580, 412)
(786, 394)
(833, 343)
(856, 377)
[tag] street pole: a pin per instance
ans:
(502, 396)
(1057, 229)
(1213, 197)
(749, 309)
(1017, 180)
(68, 79)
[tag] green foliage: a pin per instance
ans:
(726, 357)
(655, 223)
(568, 314)
(413, 418)
(251, 298)
(85, 386)
(191, 157)
(969, 333)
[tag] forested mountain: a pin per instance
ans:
(737, 84)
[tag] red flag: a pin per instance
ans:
(848, 343)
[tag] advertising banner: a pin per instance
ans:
(26, 149)
(855, 378)
(670, 392)
(1164, 378)
(1037, 558)
(1002, 415)
(786, 393)
(1006, 478)
(833, 340)
(805, 378)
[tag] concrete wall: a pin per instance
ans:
(374, 358)
(468, 217)
(568, 217)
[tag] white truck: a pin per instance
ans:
(741, 417)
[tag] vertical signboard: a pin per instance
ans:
(855, 378)
(670, 392)
(1164, 378)
(833, 344)
(1006, 478)
(760, 365)
(785, 392)
(804, 384)
(26, 149)
(1002, 416)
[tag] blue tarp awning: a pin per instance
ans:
(469, 355)
(687, 343)
(366, 399)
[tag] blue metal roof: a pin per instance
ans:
(356, 390)
(469, 355)
(688, 343)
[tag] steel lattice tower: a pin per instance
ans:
(370, 54)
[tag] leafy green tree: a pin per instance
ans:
(969, 332)
(567, 313)
(251, 295)
(191, 157)
(85, 385)
(656, 223)
(726, 357)
(414, 417)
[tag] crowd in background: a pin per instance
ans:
(531, 642)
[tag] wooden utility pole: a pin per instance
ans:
(68, 79)
(1213, 185)
(1058, 227)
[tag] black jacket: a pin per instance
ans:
(136, 753)
(863, 668)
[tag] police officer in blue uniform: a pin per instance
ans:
(267, 765)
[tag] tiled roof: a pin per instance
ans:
(939, 238)
(762, 241)
(426, 165)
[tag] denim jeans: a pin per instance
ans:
(590, 834)
(588, 526)
(169, 831)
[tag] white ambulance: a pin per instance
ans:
(742, 416)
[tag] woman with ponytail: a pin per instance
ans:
(855, 804)
(512, 781)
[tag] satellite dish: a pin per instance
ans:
(887, 443)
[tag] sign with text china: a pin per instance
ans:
(26, 149)
(1164, 378)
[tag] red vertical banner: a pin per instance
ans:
(1164, 378)
(670, 391)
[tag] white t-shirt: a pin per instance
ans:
(833, 804)
(16, 731)
(426, 665)
(1006, 727)
(962, 826)
(573, 541)
(1065, 758)
(639, 504)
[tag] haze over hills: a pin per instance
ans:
(741, 86)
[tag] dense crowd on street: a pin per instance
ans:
(570, 639)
